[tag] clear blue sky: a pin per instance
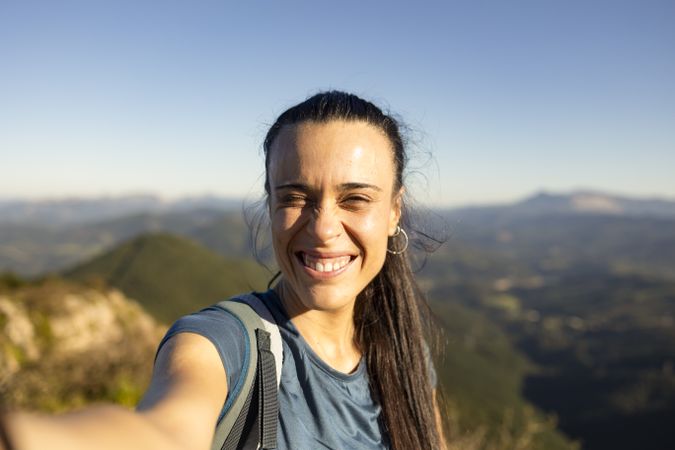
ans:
(113, 97)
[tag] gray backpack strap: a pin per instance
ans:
(230, 427)
(270, 351)
(251, 420)
(270, 326)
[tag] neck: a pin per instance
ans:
(330, 334)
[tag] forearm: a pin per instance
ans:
(101, 427)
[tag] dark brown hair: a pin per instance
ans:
(390, 314)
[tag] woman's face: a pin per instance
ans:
(332, 208)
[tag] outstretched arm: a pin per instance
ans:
(179, 410)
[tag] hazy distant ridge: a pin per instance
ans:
(590, 202)
(577, 203)
(72, 211)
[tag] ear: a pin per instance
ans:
(395, 213)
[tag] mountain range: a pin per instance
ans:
(75, 210)
(39, 237)
(578, 202)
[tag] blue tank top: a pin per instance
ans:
(319, 407)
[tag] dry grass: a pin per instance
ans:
(513, 433)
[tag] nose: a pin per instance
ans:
(324, 224)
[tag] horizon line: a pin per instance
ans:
(173, 198)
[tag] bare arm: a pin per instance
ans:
(179, 410)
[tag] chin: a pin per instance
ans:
(326, 298)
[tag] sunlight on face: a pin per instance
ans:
(332, 208)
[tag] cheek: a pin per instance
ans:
(283, 222)
(375, 232)
(374, 224)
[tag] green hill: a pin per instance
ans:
(169, 275)
(32, 249)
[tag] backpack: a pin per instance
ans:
(250, 420)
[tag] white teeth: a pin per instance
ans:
(324, 264)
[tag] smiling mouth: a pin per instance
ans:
(325, 265)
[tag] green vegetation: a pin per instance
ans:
(590, 301)
(481, 375)
(10, 280)
(171, 276)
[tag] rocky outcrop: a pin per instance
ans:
(63, 345)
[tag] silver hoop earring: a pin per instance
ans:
(398, 231)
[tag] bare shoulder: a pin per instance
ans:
(188, 389)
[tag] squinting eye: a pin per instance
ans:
(356, 200)
(293, 200)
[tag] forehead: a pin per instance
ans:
(331, 152)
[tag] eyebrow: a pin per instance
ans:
(342, 187)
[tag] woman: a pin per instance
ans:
(356, 372)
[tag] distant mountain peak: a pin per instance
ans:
(594, 202)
